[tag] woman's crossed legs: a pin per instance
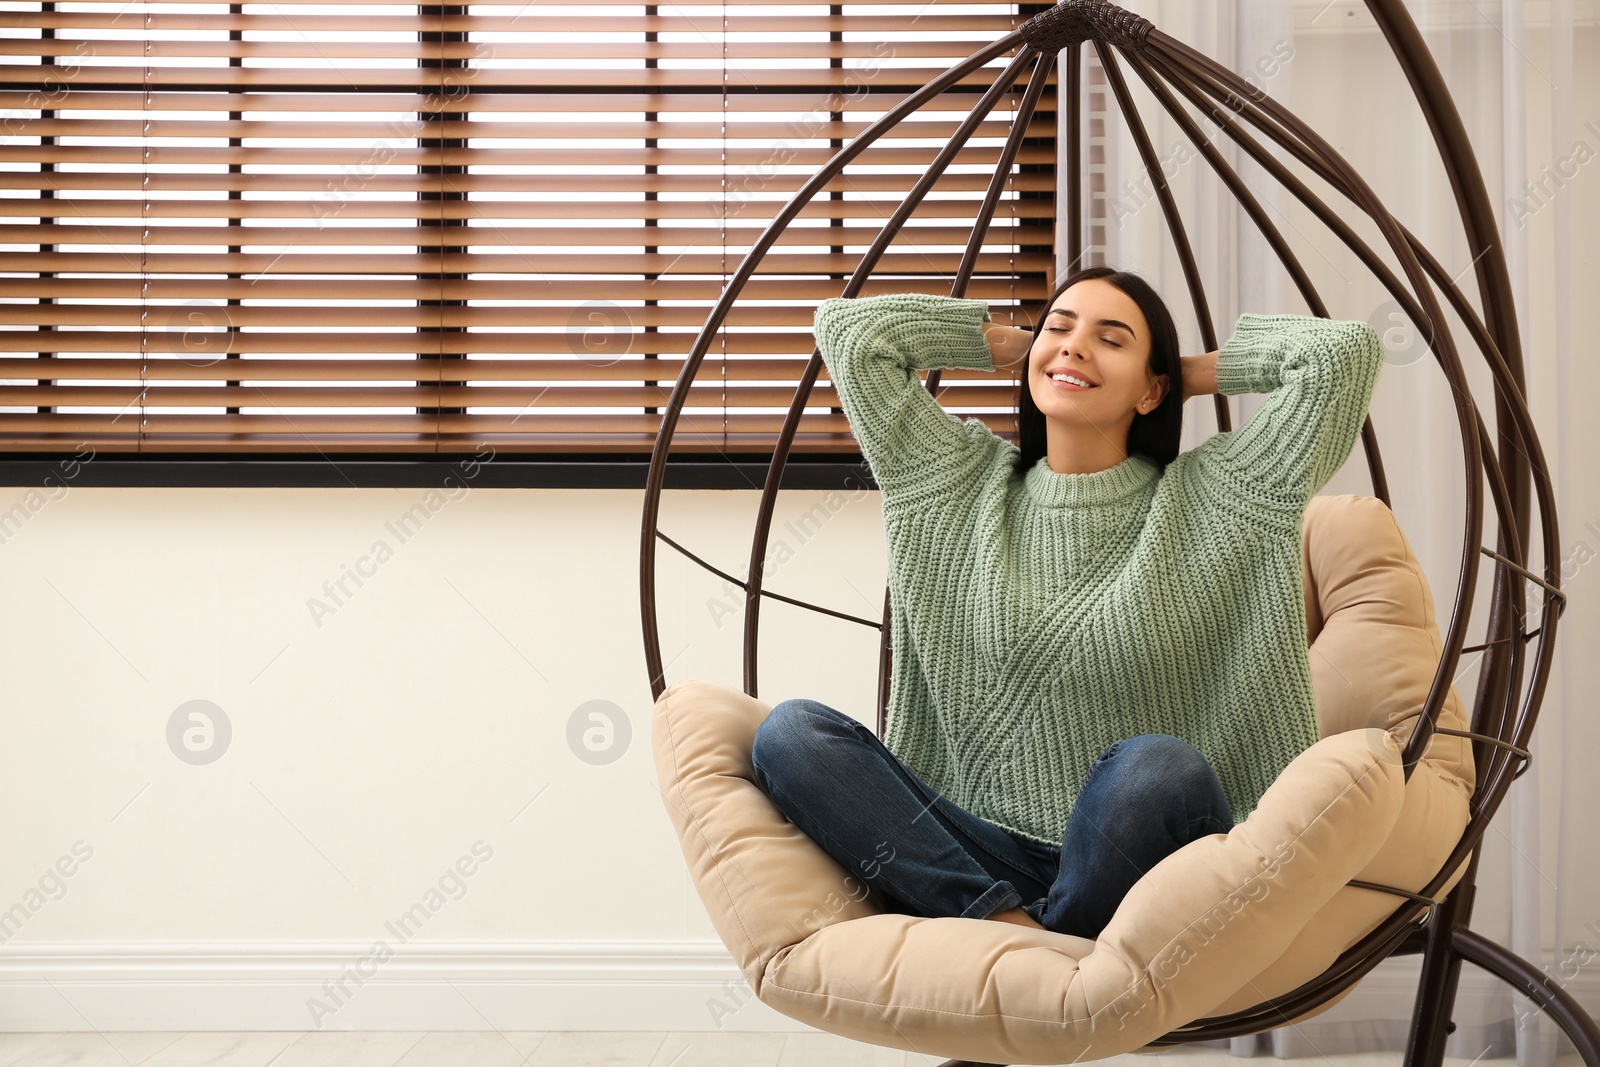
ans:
(1144, 798)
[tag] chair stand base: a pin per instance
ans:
(1537, 986)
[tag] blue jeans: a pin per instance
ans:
(1144, 798)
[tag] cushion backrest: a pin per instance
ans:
(1374, 640)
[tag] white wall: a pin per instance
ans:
(372, 749)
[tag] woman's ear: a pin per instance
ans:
(1158, 393)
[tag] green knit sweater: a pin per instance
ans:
(1037, 619)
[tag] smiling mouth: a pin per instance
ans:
(1071, 387)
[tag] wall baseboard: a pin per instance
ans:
(334, 985)
(449, 985)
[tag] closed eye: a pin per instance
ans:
(1062, 329)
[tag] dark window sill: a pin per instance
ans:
(365, 471)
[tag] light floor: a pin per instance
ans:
(262, 1048)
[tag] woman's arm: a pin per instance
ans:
(873, 348)
(1199, 374)
(1321, 374)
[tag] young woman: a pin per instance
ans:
(1099, 642)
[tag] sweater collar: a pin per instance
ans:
(1133, 475)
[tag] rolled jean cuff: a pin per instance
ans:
(1002, 896)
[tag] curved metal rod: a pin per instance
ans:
(997, 183)
(1494, 287)
(1268, 231)
(1517, 750)
(1037, 79)
(1534, 984)
(1491, 784)
(1395, 890)
(736, 284)
(1381, 271)
(725, 576)
(1207, 323)
(858, 278)
(1368, 202)
(1444, 349)
(1484, 800)
(1169, 209)
(1489, 763)
(1071, 76)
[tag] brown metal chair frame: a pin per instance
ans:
(1500, 733)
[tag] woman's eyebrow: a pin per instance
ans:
(1102, 322)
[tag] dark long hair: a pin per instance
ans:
(1153, 434)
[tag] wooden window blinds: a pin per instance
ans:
(302, 227)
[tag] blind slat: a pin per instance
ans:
(446, 81)
(74, 433)
(938, 129)
(301, 48)
(242, 317)
(750, 211)
(734, 155)
(572, 293)
(698, 397)
(622, 368)
(526, 237)
(500, 184)
(165, 331)
(892, 262)
(480, 100)
(424, 426)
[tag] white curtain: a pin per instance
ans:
(1510, 65)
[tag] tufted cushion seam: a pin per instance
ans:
(1433, 763)
(929, 1010)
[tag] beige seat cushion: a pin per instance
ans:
(1224, 923)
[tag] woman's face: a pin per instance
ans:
(1096, 332)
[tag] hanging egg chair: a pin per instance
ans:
(1386, 811)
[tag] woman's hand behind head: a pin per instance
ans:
(1008, 345)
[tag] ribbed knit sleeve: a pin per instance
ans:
(873, 348)
(1321, 374)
